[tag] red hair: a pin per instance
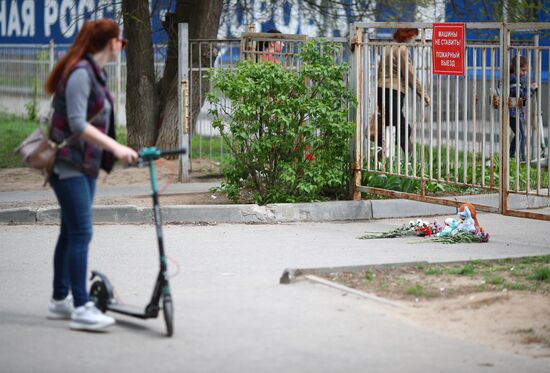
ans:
(404, 34)
(93, 37)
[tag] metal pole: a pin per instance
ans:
(183, 99)
(359, 112)
(504, 113)
(483, 111)
(369, 87)
(118, 86)
(52, 54)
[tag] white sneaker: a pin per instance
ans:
(61, 309)
(88, 317)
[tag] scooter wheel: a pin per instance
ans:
(99, 295)
(168, 311)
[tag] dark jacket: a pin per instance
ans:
(86, 157)
(519, 88)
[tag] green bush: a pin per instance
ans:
(287, 131)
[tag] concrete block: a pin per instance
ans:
(18, 216)
(122, 214)
(48, 215)
(522, 201)
(390, 208)
(322, 211)
(216, 214)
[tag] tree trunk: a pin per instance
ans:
(141, 97)
(203, 18)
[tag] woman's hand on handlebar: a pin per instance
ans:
(125, 154)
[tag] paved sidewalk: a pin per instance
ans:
(39, 206)
(231, 314)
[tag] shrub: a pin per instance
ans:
(287, 131)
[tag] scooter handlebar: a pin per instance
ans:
(152, 153)
(173, 152)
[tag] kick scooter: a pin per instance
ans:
(101, 290)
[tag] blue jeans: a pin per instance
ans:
(521, 139)
(75, 196)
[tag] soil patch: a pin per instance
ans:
(26, 179)
(503, 303)
(18, 179)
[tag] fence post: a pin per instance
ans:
(183, 99)
(505, 115)
(535, 133)
(357, 61)
(52, 54)
(118, 87)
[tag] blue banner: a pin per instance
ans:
(39, 21)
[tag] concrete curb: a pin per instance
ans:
(275, 213)
(359, 293)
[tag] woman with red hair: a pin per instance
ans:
(83, 120)
(394, 82)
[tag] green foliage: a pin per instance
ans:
(32, 105)
(541, 274)
(369, 276)
(287, 131)
(433, 271)
(122, 135)
(466, 270)
(392, 182)
(464, 174)
(419, 291)
(14, 130)
(494, 280)
(210, 147)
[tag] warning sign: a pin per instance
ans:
(448, 48)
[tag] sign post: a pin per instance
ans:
(448, 48)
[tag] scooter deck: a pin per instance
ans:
(128, 310)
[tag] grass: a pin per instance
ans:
(494, 280)
(14, 130)
(423, 281)
(419, 291)
(541, 274)
(208, 147)
(465, 270)
(369, 276)
(436, 185)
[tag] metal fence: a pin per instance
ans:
(25, 68)
(206, 147)
(462, 137)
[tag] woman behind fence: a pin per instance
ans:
(394, 79)
(83, 115)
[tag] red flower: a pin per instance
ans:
(310, 157)
(424, 231)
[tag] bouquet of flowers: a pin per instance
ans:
(413, 228)
(458, 236)
(464, 230)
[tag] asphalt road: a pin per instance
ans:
(231, 313)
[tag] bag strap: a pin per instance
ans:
(66, 142)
